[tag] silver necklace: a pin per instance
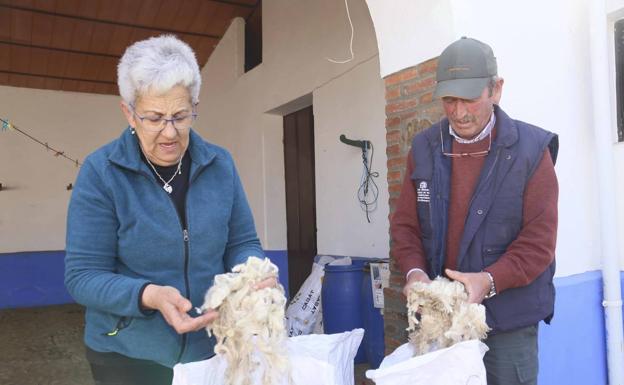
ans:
(166, 186)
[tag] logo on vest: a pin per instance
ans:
(422, 193)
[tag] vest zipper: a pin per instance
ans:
(486, 177)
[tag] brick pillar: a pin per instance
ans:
(409, 110)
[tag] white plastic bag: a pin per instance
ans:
(460, 364)
(304, 310)
(318, 359)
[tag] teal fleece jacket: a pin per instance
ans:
(123, 232)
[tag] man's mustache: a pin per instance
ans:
(467, 119)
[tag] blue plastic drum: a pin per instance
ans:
(342, 301)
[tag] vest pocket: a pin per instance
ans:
(492, 253)
(506, 209)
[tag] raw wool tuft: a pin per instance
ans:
(250, 329)
(439, 315)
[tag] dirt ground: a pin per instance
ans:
(43, 346)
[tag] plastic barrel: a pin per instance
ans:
(341, 298)
(374, 344)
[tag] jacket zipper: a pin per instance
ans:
(185, 235)
(186, 238)
(186, 282)
(187, 256)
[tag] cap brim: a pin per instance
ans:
(461, 88)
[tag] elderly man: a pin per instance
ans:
(479, 205)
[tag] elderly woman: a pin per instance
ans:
(153, 217)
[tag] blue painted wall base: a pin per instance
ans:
(572, 348)
(36, 278)
(32, 279)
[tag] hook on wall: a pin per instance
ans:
(363, 144)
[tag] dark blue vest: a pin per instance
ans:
(494, 217)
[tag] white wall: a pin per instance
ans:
(543, 53)
(341, 107)
(235, 112)
(410, 31)
(33, 208)
(238, 112)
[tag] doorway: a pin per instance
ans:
(300, 195)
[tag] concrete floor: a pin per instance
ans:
(43, 346)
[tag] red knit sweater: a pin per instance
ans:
(526, 257)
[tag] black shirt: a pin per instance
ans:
(179, 184)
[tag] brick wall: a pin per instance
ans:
(409, 110)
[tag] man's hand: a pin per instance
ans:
(477, 284)
(174, 307)
(415, 276)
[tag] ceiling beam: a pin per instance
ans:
(235, 3)
(57, 77)
(109, 22)
(29, 45)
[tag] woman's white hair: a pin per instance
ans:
(157, 65)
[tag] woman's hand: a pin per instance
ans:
(174, 307)
(268, 282)
(413, 277)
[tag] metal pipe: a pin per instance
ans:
(603, 126)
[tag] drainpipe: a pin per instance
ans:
(603, 126)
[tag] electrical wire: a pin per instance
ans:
(368, 191)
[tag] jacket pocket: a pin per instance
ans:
(122, 323)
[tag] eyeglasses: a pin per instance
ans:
(156, 123)
(476, 154)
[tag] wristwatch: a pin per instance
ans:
(492, 292)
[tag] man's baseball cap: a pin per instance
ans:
(464, 69)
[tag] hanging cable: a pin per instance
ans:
(368, 191)
(350, 42)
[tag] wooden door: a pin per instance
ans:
(300, 195)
